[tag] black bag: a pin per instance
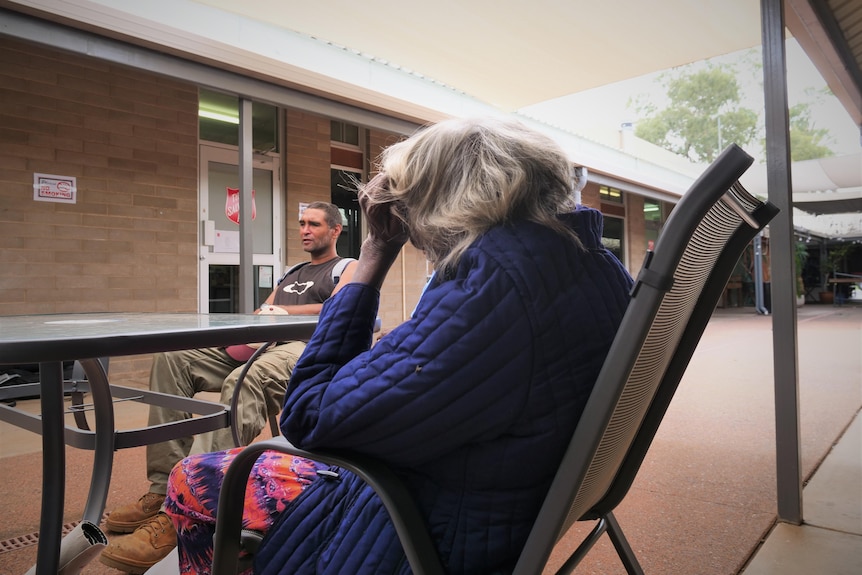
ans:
(11, 375)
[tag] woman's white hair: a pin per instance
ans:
(454, 180)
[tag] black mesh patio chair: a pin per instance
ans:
(673, 298)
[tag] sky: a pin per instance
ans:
(598, 113)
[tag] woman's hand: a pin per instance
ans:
(387, 234)
(384, 227)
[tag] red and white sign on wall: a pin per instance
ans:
(51, 188)
(231, 205)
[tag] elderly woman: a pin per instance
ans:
(472, 400)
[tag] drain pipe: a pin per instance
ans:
(579, 175)
(758, 276)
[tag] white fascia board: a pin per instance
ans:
(636, 172)
(263, 50)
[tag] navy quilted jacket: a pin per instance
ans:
(472, 401)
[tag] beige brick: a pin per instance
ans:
(128, 184)
(130, 243)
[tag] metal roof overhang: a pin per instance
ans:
(426, 61)
(422, 63)
(509, 55)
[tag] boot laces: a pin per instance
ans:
(156, 524)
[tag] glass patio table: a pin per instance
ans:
(51, 339)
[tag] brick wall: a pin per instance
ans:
(632, 211)
(590, 196)
(308, 178)
(129, 243)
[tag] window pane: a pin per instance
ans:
(344, 197)
(335, 131)
(612, 236)
(611, 195)
(344, 133)
(351, 134)
(652, 222)
(224, 288)
(218, 121)
(224, 177)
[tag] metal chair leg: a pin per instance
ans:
(621, 544)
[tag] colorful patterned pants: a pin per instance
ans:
(193, 492)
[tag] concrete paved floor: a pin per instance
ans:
(705, 497)
(829, 541)
(704, 502)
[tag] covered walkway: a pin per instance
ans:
(705, 498)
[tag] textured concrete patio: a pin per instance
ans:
(704, 502)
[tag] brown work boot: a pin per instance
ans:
(149, 544)
(129, 517)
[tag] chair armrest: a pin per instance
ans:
(408, 521)
(234, 399)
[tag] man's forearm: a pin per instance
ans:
(304, 309)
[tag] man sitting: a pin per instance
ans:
(302, 290)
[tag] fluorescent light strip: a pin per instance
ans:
(217, 116)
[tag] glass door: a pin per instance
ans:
(342, 196)
(219, 220)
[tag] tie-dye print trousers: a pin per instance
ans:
(193, 492)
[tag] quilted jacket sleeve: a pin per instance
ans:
(433, 382)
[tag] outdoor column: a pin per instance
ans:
(782, 246)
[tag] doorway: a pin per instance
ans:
(219, 220)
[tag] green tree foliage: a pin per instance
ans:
(703, 116)
(806, 141)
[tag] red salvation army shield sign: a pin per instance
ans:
(231, 205)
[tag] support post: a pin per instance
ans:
(246, 185)
(784, 332)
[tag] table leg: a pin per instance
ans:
(53, 468)
(103, 457)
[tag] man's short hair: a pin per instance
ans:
(333, 215)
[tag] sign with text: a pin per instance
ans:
(51, 188)
(231, 205)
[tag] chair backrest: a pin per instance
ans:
(672, 300)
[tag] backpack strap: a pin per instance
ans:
(339, 269)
